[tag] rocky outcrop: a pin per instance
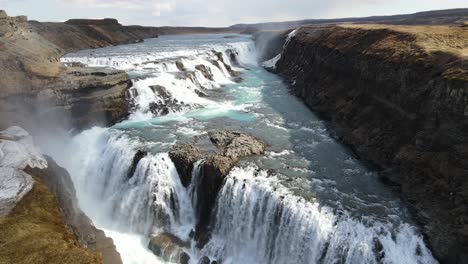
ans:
(78, 34)
(32, 76)
(205, 71)
(221, 151)
(42, 223)
(17, 151)
(235, 74)
(184, 157)
(398, 96)
(61, 186)
(170, 248)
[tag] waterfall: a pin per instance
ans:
(129, 186)
(149, 200)
(260, 221)
(175, 82)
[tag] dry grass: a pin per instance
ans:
(450, 39)
(445, 47)
(35, 232)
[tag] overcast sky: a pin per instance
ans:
(216, 12)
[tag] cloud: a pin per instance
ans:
(165, 6)
(120, 4)
(215, 12)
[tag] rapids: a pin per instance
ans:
(307, 200)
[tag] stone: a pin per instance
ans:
(180, 66)
(407, 121)
(184, 157)
(206, 71)
(169, 247)
(161, 91)
(14, 185)
(204, 260)
(136, 159)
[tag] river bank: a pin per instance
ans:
(397, 96)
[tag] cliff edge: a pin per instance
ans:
(398, 96)
(39, 214)
(31, 75)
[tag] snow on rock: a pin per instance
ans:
(17, 151)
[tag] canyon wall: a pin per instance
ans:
(34, 82)
(39, 213)
(398, 96)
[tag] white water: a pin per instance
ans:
(260, 218)
(255, 212)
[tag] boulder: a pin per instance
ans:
(169, 247)
(235, 74)
(180, 66)
(184, 157)
(207, 260)
(14, 185)
(161, 91)
(205, 71)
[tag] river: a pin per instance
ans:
(307, 200)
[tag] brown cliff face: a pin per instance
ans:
(399, 97)
(31, 74)
(60, 184)
(36, 232)
(79, 34)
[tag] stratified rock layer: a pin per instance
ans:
(33, 82)
(399, 97)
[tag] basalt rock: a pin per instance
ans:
(205, 71)
(235, 74)
(398, 97)
(184, 156)
(221, 151)
(32, 77)
(136, 159)
(170, 248)
(180, 65)
(161, 91)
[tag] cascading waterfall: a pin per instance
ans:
(257, 218)
(260, 221)
(173, 82)
(149, 200)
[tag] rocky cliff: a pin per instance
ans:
(78, 34)
(398, 96)
(39, 214)
(210, 158)
(32, 77)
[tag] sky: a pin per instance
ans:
(216, 12)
